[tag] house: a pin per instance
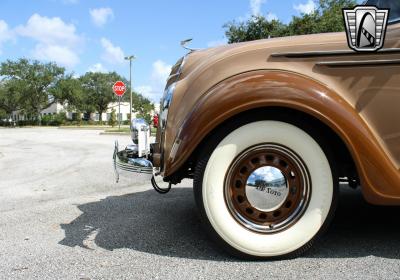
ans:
(52, 110)
(57, 108)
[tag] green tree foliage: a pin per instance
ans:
(34, 81)
(3, 114)
(10, 97)
(331, 16)
(113, 118)
(54, 120)
(69, 91)
(142, 106)
(255, 28)
(32, 86)
(326, 18)
(98, 90)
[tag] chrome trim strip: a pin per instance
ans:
(174, 75)
(130, 168)
(331, 53)
(176, 70)
(364, 63)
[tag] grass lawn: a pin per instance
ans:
(115, 129)
(126, 130)
(98, 127)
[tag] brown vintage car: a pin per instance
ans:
(267, 129)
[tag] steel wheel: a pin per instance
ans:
(267, 188)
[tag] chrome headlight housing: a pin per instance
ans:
(169, 91)
(166, 102)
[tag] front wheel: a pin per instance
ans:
(266, 190)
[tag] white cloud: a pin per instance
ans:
(146, 91)
(101, 16)
(70, 1)
(5, 33)
(159, 75)
(306, 8)
(271, 16)
(112, 54)
(216, 43)
(255, 9)
(161, 71)
(57, 40)
(98, 67)
(49, 30)
(255, 6)
(269, 172)
(60, 54)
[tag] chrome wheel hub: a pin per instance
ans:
(267, 188)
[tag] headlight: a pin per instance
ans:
(173, 78)
(166, 102)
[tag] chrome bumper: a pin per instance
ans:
(127, 162)
(133, 159)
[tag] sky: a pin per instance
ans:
(89, 35)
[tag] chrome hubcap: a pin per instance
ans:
(267, 188)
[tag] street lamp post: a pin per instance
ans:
(130, 58)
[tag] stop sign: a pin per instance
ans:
(119, 88)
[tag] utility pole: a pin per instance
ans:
(119, 113)
(130, 58)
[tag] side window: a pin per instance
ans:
(394, 7)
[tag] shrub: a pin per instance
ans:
(46, 120)
(58, 119)
(113, 118)
(77, 118)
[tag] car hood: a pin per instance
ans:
(303, 43)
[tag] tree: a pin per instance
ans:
(142, 106)
(255, 28)
(34, 81)
(10, 97)
(331, 15)
(113, 118)
(326, 18)
(69, 92)
(3, 114)
(98, 90)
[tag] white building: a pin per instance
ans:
(52, 110)
(57, 108)
(124, 112)
(105, 116)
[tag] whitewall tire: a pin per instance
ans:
(290, 224)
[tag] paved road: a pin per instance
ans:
(63, 217)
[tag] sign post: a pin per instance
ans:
(119, 89)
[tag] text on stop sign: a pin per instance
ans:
(119, 88)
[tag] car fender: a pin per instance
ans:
(266, 88)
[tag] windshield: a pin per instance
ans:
(393, 5)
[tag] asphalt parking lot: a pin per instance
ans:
(62, 216)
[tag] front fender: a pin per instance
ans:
(257, 89)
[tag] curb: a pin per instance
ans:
(114, 133)
(83, 128)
